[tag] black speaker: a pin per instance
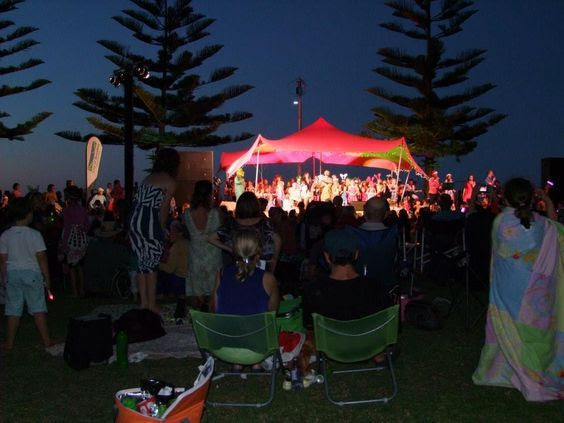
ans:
(194, 166)
(552, 173)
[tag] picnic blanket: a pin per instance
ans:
(179, 341)
(524, 346)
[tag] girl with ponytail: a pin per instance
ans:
(244, 288)
(519, 195)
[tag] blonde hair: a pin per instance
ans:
(246, 252)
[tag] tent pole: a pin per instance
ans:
(397, 172)
(256, 173)
(405, 185)
(320, 162)
(313, 164)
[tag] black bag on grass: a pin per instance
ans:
(140, 325)
(89, 340)
(422, 315)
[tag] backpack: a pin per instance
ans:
(140, 325)
(89, 339)
(422, 315)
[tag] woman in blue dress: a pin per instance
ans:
(243, 288)
(148, 221)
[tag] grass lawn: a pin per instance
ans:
(434, 375)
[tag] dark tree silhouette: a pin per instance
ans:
(174, 105)
(14, 41)
(438, 122)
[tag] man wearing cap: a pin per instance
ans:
(343, 294)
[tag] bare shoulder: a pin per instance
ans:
(161, 180)
(269, 279)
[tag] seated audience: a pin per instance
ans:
(377, 244)
(242, 287)
(248, 215)
(343, 294)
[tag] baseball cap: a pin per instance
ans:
(340, 242)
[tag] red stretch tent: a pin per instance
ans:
(328, 144)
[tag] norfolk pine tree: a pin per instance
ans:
(12, 42)
(439, 121)
(167, 109)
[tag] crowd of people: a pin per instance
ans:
(334, 240)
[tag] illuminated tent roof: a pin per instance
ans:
(328, 144)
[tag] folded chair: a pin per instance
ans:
(354, 341)
(244, 340)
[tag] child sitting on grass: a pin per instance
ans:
(25, 273)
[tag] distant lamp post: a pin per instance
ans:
(125, 76)
(300, 85)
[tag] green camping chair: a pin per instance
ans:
(353, 341)
(242, 340)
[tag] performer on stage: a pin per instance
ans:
(352, 192)
(280, 192)
(239, 183)
(468, 189)
(326, 181)
(434, 185)
(371, 191)
(335, 188)
(448, 187)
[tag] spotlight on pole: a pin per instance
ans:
(142, 71)
(125, 76)
(296, 102)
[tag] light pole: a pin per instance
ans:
(300, 84)
(125, 76)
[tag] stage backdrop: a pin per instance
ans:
(194, 166)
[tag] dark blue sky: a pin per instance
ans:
(331, 44)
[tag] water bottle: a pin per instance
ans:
(287, 384)
(297, 383)
(121, 350)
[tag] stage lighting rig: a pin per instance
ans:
(119, 76)
(125, 77)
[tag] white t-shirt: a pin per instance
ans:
(21, 244)
(98, 197)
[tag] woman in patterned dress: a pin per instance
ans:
(147, 222)
(204, 259)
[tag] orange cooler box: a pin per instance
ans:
(188, 407)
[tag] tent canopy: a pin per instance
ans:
(328, 144)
